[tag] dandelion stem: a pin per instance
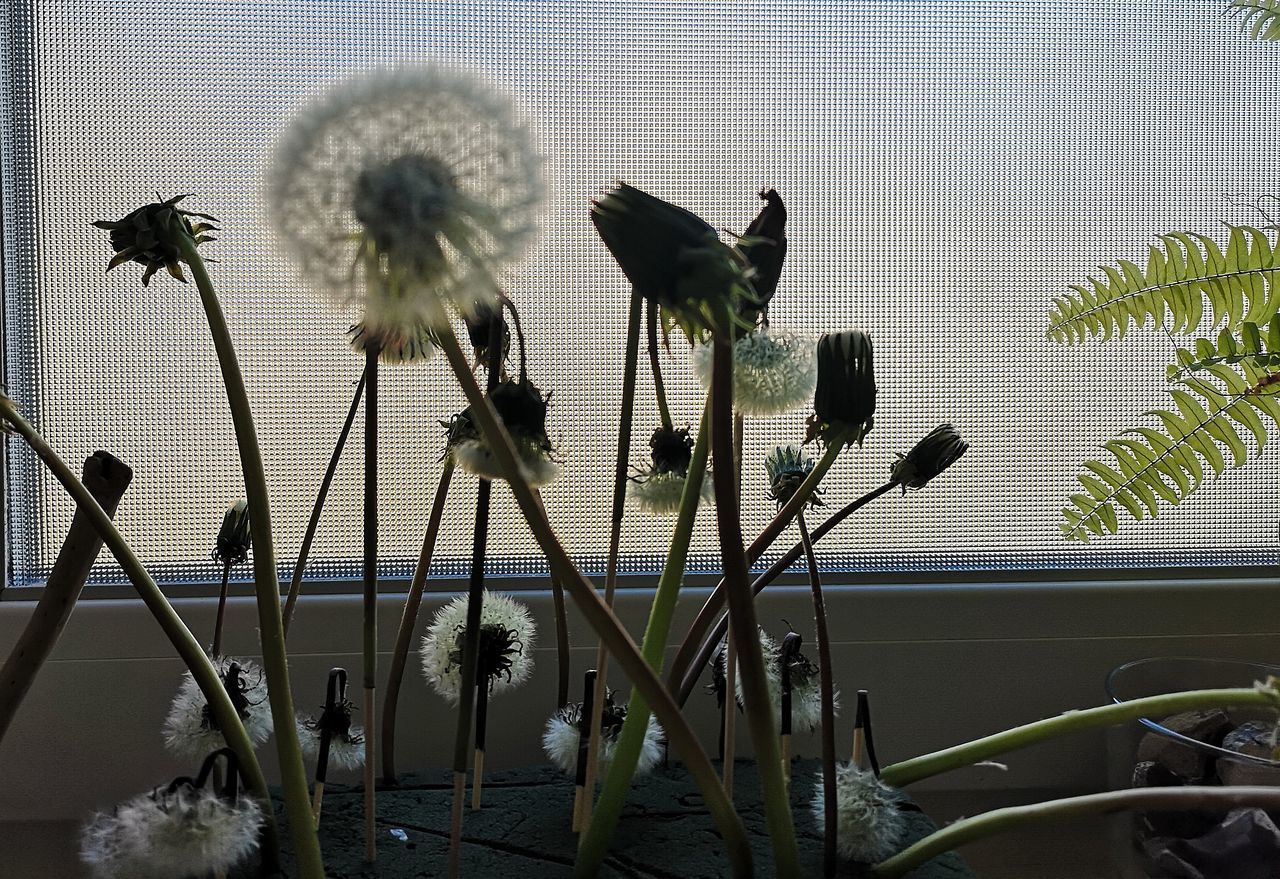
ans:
(776, 570)
(827, 684)
(756, 702)
(562, 642)
(271, 633)
(408, 621)
(188, 648)
(602, 620)
(655, 364)
(106, 478)
(621, 459)
(475, 605)
(959, 756)
(1199, 799)
(370, 608)
(215, 648)
(304, 552)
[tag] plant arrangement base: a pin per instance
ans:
(523, 829)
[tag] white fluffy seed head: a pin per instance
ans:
(346, 751)
(774, 371)
(190, 731)
(171, 835)
(475, 457)
(660, 493)
(869, 825)
(560, 741)
(806, 687)
(396, 344)
(442, 644)
(426, 173)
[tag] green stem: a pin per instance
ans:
(702, 623)
(659, 389)
(408, 621)
(757, 705)
(626, 753)
(295, 582)
(828, 690)
(188, 648)
(776, 570)
(1172, 799)
(621, 459)
(602, 619)
(959, 756)
(369, 609)
(215, 649)
(297, 803)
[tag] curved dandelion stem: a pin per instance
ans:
(271, 632)
(404, 637)
(655, 365)
(304, 552)
(602, 620)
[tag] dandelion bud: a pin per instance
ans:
(478, 327)
(845, 398)
(149, 236)
(941, 448)
(234, 537)
(788, 467)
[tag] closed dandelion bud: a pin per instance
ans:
(505, 658)
(149, 236)
(870, 825)
(672, 257)
(765, 246)
(564, 729)
(787, 468)
(845, 398)
(941, 448)
(522, 408)
(234, 537)
(478, 326)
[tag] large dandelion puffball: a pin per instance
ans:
(406, 190)
(190, 730)
(869, 825)
(182, 834)
(774, 371)
(560, 738)
(806, 688)
(507, 635)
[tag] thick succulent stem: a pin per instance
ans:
(601, 618)
(827, 686)
(271, 632)
(757, 705)
(408, 621)
(188, 648)
(304, 551)
(1169, 799)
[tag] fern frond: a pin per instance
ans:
(1150, 466)
(1182, 271)
(1260, 19)
(1249, 345)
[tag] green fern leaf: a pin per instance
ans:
(1260, 19)
(1151, 465)
(1240, 283)
(1249, 346)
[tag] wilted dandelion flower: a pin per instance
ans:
(563, 733)
(869, 825)
(806, 690)
(406, 190)
(658, 490)
(149, 236)
(940, 448)
(522, 409)
(765, 246)
(507, 634)
(787, 468)
(183, 833)
(191, 731)
(346, 740)
(774, 371)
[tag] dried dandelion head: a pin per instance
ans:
(869, 825)
(507, 635)
(564, 730)
(522, 408)
(191, 731)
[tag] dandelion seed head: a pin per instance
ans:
(774, 371)
(507, 634)
(346, 745)
(561, 737)
(190, 730)
(660, 493)
(869, 825)
(806, 689)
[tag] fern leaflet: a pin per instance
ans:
(1251, 346)
(1260, 19)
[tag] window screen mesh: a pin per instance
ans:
(948, 167)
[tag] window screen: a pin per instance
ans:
(948, 167)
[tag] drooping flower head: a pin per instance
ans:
(407, 190)
(522, 408)
(674, 259)
(765, 246)
(774, 371)
(844, 399)
(658, 489)
(806, 689)
(191, 730)
(507, 635)
(480, 325)
(564, 730)
(179, 831)
(940, 448)
(787, 468)
(149, 236)
(869, 826)
(234, 537)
